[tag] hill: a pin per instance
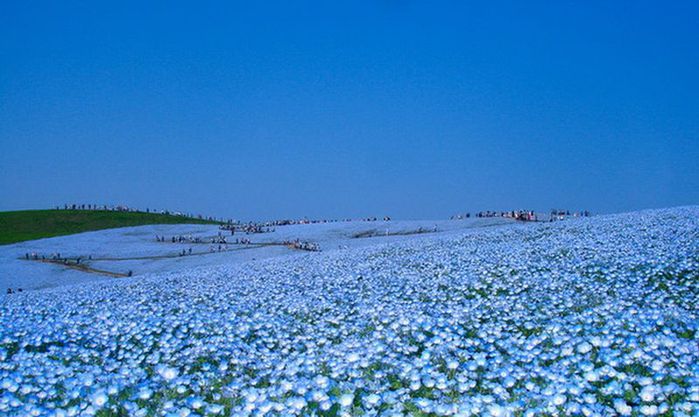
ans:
(595, 316)
(135, 248)
(18, 226)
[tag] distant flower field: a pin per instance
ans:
(592, 317)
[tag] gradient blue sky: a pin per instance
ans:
(412, 109)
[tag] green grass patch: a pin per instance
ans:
(19, 226)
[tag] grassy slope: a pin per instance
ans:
(18, 226)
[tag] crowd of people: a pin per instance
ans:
(217, 243)
(179, 239)
(212, 249)
(525, 215)
(52, 257)
(218, 239)
(226, 224)
(297, 244)
(124, 208)
(247, 228)
(288, 222)
(222, 245)
(55, 257)
(557, 214)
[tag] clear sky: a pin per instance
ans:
(343, 109)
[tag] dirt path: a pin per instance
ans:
(375, 233)
(72, 263)
(175, 255)
(84, 268)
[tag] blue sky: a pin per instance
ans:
(412, 109)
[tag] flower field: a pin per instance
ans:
(590, 317)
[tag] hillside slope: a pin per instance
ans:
(595, 317)
(135, 249)
(18, 226)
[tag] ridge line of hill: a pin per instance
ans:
(23, 225)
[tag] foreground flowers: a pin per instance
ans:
(593, 317)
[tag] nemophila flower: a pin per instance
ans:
(346, 400)
(645, 381)
(99, 399)
(372, 400)
(649, 410)
(196, 403)
(297, 403)
(496, 410)
(530, 413)
(415, 385)
(424, 404)
(622, 407)
(168, 373)
(558, 399)
(592, 376)
(647, 394)
(145, 393)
